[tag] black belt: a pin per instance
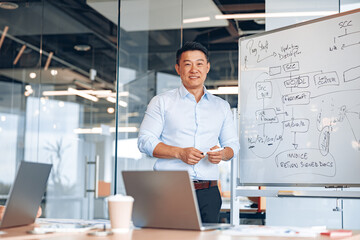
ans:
(202, 184)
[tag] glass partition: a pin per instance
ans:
(57, 83)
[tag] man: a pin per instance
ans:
(183, 124)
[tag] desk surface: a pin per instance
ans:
(146, 234)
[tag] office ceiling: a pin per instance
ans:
(58, 26)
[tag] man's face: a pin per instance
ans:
(193, 68)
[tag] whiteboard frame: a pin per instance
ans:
(237, 172)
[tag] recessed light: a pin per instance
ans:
(82, 47)
(110, 110)
(54, 72)
(8, 5)
(32, 75)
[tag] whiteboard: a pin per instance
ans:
(299, 104)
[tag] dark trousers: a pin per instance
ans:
(209, 201)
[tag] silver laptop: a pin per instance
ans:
(164, 199)
(25, 194)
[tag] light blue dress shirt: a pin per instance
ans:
(176, 119)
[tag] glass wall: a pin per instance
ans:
(57, 101)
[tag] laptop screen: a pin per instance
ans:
(163, 199)
(25, 194)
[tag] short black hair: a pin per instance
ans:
(191, 46)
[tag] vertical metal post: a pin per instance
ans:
(234, 202)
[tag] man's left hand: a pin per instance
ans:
(215, 157)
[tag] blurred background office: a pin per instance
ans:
(76, 77)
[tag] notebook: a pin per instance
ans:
(25, 194)
(164, 199)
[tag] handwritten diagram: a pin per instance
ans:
(300, 104)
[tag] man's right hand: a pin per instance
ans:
(190, 155)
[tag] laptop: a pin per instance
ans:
(165, 199)
(25, 194)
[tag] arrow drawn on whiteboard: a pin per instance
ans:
(350, 45)
(295, 145)
(286, 113)
(274, 54)
(346, 33)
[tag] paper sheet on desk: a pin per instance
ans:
(273, 231)
(70, 225)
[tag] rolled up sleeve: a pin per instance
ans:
(151, 127)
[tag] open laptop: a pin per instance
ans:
(164, 199)
(25, 194)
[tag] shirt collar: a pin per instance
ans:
(184, 92)
(206, 94)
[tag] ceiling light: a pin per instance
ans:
(111, 99)
(57, 93)
(4, 32)
(111, 110)
(224, 90)
(54, 72)
(122, 104)
(28, 87)
(125, 129)
(194, 20)
(121, 94)
(260, 21)
(88, 130)
(3, 118)
(99, 130)
(82, 94)
(8, 5)
(133, 114)
(61, 104)
(102, 93)
(98, 93)
(32, 75)
(82, 47)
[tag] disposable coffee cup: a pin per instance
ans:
(120, 209)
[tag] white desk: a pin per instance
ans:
(147, 234)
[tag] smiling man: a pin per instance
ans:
(182, 126)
